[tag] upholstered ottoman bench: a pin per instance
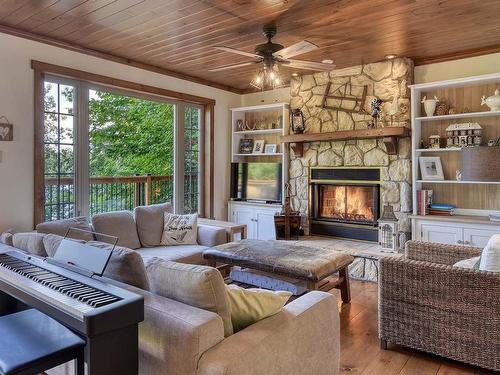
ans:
(310, 264)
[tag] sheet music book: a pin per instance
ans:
(81, 255)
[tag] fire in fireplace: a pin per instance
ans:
(345, 202)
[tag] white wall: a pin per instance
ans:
(16, 103)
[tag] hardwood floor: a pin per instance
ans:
(360, 353)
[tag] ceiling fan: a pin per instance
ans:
(270, 56)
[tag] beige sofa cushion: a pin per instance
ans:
(190, 254)
(149, 220)
(60, 227)
(198, 286)
(125, 265)
(119, 224)
(31, 242)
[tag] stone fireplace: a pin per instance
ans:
(387, 80)
(345, 202)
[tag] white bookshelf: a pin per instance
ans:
(266, 114)
(460, 228)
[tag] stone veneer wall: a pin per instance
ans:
(385, 80)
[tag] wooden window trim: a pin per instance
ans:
(41, 69)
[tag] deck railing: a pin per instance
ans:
(113, 193)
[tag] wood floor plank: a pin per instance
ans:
(421, 364)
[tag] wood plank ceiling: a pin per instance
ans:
(177, 36)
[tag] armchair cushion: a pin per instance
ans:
(60, 227)
(149, 220)
(490, 256)
(119, 224)
(198, 286)
(468, 263)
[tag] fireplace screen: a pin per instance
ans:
(348, 203)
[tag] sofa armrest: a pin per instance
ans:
(439, 253)
(301, 339)
(211, 236)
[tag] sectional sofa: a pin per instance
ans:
(177, 338)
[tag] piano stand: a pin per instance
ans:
(45, 342)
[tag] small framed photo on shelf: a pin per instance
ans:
(431, 168)
(270, 148)
(246, 146)
(258, 146)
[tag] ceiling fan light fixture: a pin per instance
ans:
(267, 77)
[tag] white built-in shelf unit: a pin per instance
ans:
(262, 116)
(470, 197)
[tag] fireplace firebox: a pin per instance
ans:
(345, 202)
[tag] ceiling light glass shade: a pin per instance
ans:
(267, 77)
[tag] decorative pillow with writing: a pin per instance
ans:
(179, 229)
(248, 306)
(490, 256)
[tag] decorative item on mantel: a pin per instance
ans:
(344, 94)
(492, 101)
(430, 105)
(376, 109)
(388, 229)
(464, 135)
(6, 130)
(298, 121)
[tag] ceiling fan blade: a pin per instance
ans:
(232, 50)
(299, 48)
(309, 65)
(225, 67)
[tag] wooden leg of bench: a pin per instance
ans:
(345, 289)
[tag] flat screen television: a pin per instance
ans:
(256, 181)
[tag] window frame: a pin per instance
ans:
(52, 73)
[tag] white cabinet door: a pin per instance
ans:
(245, 215)
(478, 237)
(441, 234)
(264, 223)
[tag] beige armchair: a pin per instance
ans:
(427, 304)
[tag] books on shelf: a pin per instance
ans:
(441, 209)
(424, 199)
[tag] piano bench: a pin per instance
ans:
(32, 342)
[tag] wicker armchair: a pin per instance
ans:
(426, 304)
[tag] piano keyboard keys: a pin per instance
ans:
(73, 289)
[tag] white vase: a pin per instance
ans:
(430, 105)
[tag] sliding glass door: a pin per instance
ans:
(109, 150)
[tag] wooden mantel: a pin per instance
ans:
(390, 136)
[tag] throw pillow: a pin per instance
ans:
(198, 286)
(467, 263)
(31, 242)
(248, 306)
(490, 256)
(179, 229)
